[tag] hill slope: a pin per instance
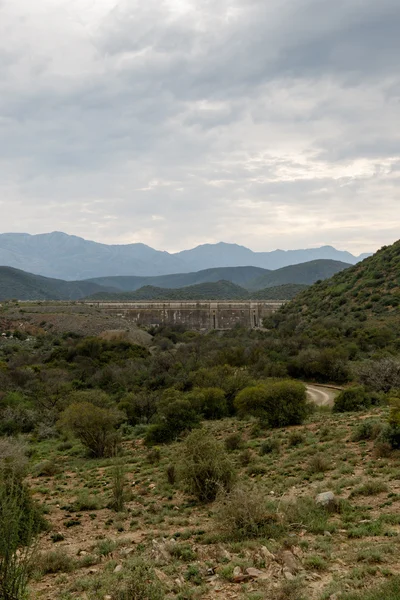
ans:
(70, 257)
(370, 289)
(220, 290)
(304, 274)
(20, 285)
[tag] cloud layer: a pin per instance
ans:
(179, 122)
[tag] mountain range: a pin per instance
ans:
(68, 257)
(221, 283)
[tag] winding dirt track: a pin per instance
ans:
(321, 396)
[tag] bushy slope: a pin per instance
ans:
(370, 289)
(279, 292)
(221, 290)
(304, 274)
(26, 286)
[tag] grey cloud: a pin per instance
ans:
(243, 120)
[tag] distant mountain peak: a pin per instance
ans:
(70, 257)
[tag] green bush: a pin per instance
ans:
(203, 467)
(367, 430)
(175, 415)
(354, 399)
(233, 442)
(209, 402)
(282, 403)
(95, 427)
(20, 523)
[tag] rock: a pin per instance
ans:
(127, 551)
(267, 555)
(118, 569)
(290, 562)
(327, 534)
(237, 571)
(327, 499)
(107, 597)
(257, 574)
(288, 575)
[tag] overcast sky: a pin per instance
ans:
(269, 123)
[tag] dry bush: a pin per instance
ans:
(243, 513)
(203, 467)
(13, 459)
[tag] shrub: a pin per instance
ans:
(203, 467)
(296, 438)
(154, 456)
(55, 561)
(85, 501)
(282, 403)
(233, 442)
(46, 468)
(243, 513)
(93, 426)
(210, 402)
(270, 446)
(353, 399)
(13, 459)
(20, 523)
(318, 464)
(118, 486)
(303, 513)
(367, 430)
(139, 583)
(175, 415)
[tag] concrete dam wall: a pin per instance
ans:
(202, 316)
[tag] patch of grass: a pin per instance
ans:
(389, 590)
(55, 561)
(370, 488)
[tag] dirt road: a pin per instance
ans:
(322, 396)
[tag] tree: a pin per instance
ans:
(95, 427)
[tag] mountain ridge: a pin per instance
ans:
(69, 257)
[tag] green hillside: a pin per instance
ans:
(370, 289)
(19, 285)
(279, 292)
(220, 290)
(304, 274)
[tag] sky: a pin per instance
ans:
(268, 123)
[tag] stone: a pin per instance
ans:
(118, 569)
(290, 562)
(237, 571)
(257, 574)
(288, 575)
(326, 499)
(267, 555)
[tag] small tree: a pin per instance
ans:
(95, 427)
(203, 466)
